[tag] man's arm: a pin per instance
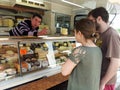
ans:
(112, 70)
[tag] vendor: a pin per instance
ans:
(28, 27)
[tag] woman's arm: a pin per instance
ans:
(67, 67)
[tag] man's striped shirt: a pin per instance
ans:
(24, 28)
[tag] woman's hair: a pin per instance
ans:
(87, 28)
(100, 11)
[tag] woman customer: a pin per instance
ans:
(84, 63)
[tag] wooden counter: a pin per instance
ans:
(44, 83)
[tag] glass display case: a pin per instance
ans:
(25, 59)
(8, 58)
(62, 49)
(33, 56)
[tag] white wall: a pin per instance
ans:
(116, 22)
(61, 9)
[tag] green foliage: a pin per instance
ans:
(119, 30)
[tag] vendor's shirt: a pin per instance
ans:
(24, 28)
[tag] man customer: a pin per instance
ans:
(27, 27)
(84, 63)
(109, 43)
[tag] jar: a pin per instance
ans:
(64, 31)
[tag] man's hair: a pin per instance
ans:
(100, 11)
(38, 15)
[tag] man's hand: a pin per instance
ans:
(102, 86)
(43, 32)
